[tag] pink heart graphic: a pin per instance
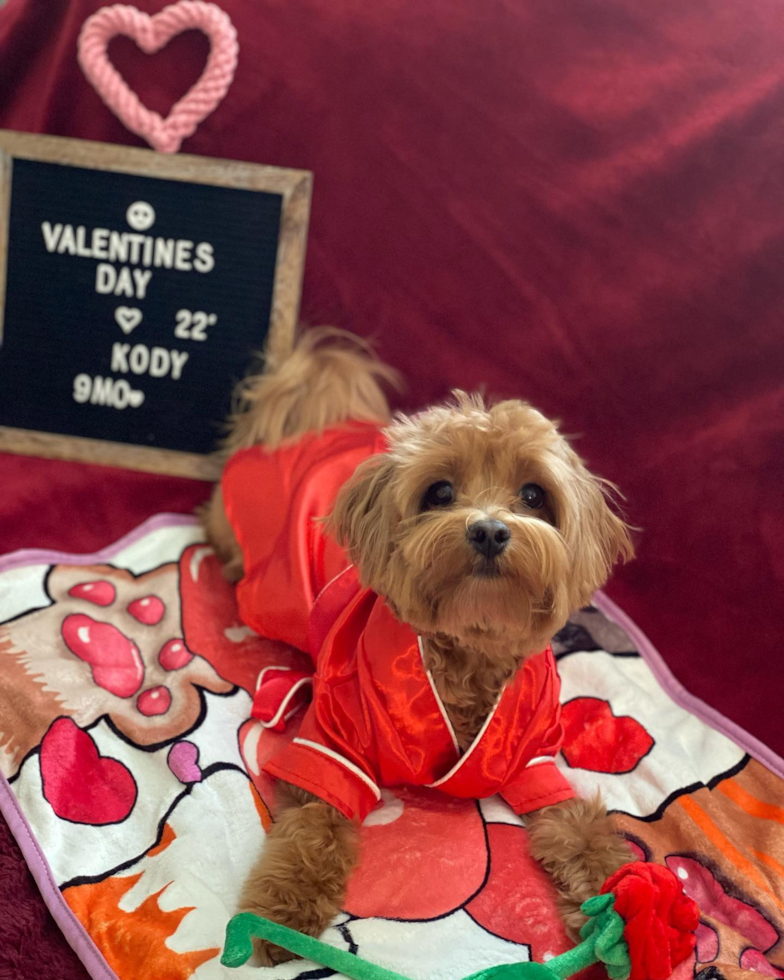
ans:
(82, 785)
(152, 34)
(183, 760)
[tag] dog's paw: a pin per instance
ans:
(265, 954)
(308, 917)
(573, 919)
(576, 843)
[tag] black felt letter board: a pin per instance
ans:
(137, 333)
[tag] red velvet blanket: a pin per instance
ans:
(580, 202)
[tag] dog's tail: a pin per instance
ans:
(331, 376)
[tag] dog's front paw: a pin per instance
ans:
(571, 916)
(577, 844)
(266, 954)
(309, 915)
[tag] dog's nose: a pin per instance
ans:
(489, 538)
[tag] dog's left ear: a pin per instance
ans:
(596, 536)
(363, 517)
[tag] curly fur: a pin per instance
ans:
(575, 842)
(330, 377)
(301, 879)
(421, 561)
(477, 628)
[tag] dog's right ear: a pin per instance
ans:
(364, 516)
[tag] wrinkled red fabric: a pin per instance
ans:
(661, 921)
(274, 503)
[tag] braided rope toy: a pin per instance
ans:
(152, 34)
(641, 926)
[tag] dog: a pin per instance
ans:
(425, 562)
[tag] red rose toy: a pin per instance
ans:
(660, 921)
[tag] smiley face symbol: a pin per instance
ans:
(140, 216)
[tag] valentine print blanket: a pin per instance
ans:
(132, 782)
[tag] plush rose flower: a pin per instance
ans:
(660, 921)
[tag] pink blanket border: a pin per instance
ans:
(689, 702)
(42, 556)
(71, 927)
(76, 935)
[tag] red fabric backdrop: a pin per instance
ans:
(580, 202)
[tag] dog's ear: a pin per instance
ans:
(364, 516)
(595, 535)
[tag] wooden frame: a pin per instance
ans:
(295, 188)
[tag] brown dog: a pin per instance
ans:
(482, 530)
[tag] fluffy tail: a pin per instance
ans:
(331, 376)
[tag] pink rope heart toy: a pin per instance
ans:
(152, 34)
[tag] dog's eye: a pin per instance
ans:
(440, 494)
(532, 496)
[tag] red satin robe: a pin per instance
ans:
(375, 719)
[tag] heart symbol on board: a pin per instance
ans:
(135, 398)
(80, 784)
(599, 741)
(128, 318)
(152, 34)
(183, 760)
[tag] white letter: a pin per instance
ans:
(67, 241)
(120, 357)
(102, 391)
(142, 280)
(159, 362)
(82, 385)
(164, 252)
(139, 359)
(100, 241)
(204, 261)
(51, 235)
(135, 242)
(118, 246)
(182, 255)
(179, 357)
(82, 248)
(121, 392)
(124, 285)
(105, 278)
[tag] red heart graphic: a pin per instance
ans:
(80, 784)
(596, 740)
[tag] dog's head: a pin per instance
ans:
(480, 521)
